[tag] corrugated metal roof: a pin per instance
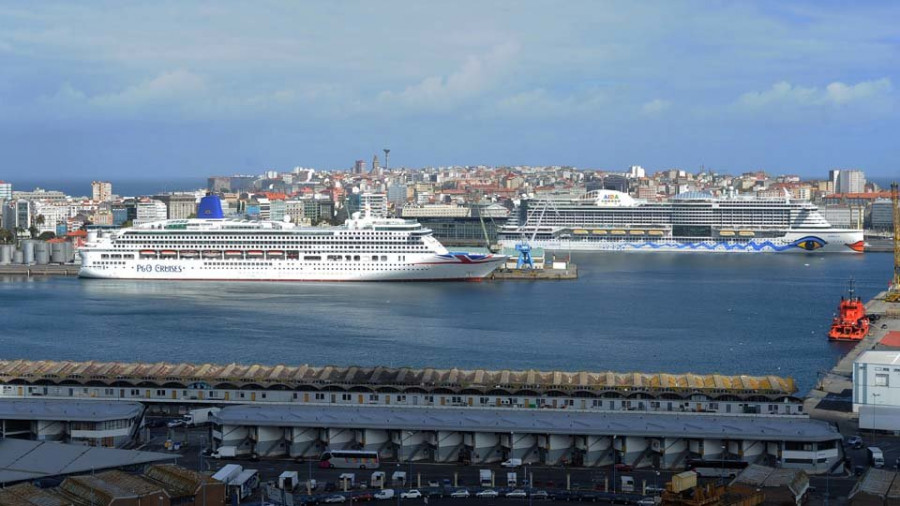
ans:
(542, 421)
(22, 460)
(26, 494)
(68, 410)
(281, 374)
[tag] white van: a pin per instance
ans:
(387, 493)
(511, 463)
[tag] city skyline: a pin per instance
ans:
(114, 91)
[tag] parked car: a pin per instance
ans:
(178, 422)
(411, 494)
(623, 467)
(517, 493)
(362, 497)
(540, 494)
(855, 441)
(334, 499)
(647, 501)
(461, 493)
(488, 493)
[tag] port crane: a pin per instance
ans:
(525, 260)
(894, 291)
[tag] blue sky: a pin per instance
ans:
(168, 89)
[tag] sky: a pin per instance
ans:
(140, 90)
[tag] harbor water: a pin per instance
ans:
(703, 313)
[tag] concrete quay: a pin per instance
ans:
(39, 270)
(571, 272)
(837, 383)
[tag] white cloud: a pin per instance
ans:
(835, 94)
(840, 93)
(477, 75)
(167, 87)
(655, 106)
(539, 103)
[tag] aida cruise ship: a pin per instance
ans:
(606, 220)
(214, 248)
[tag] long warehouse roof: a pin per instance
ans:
(267, 375)
(524, 421)
(68, 410)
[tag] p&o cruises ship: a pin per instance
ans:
(607, 220)
(214, 248)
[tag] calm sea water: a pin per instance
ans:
(752, 314)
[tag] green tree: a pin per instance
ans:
(6, 236)
(33, 230)
(46, 236)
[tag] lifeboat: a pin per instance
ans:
(254, 254)
(212, 254)
(147, 253)
(234, 254)
(168, 253)
(656, 232)
(617, 232)
(636, 232)
(189, 254)
(726, 233)
(599, 232)
(580, 231)
(851, 322)
(746, 233)
(275, 254)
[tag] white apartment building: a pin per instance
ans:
(150, 210)
(101, 191)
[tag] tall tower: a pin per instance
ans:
(376, 168)
(386, 153)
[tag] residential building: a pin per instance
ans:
(374, 203)
(882, 217)
(101, 191)
(5, 190)
(149, 210)
(851, 181)
(180, 206)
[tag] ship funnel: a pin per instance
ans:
(210, 207)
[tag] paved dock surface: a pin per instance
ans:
(571, 272)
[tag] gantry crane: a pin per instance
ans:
(894, 292)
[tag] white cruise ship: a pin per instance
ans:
(606, 220)
(213, 248)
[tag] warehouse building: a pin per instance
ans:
(660, 440)
(876, 390)
(92, 423)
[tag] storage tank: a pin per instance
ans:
(28, 252)
(41, 253)
(69, 248)
(6, 254)
(58, 252)
(18, 256)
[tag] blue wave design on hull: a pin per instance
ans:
(808, 243)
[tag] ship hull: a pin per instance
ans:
(428, 268)
(795, 241)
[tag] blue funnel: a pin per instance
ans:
(210, 207)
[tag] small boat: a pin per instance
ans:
(618, 232)
(636, 232)
(234, 254)
(726, 233)
(168, 253)
(212, 254)
(599, 232)
(580, 231)
(254, 254)
(657, 232)
(746, 233)
(189, 253)
(147, 253)
(275, 254)
(851, 323)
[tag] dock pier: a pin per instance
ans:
(39, 270)
(837, 383)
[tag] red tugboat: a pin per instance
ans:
(851, 322)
